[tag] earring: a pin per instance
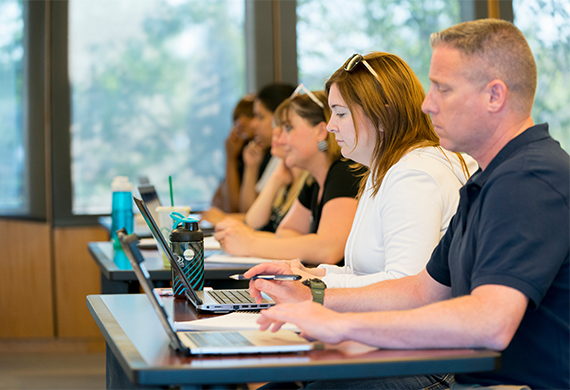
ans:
(322, 146)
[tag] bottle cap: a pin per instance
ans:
(185, 229)
(120, 184)
(180, 219)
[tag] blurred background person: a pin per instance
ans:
(316, 227)
(278, 194)
(258, 164)
(226, 197)
(282, 187)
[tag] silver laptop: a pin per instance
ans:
(218, 301)
(191, 343)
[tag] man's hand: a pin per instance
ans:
(279, 291)
(315, 321)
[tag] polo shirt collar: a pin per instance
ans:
(470, 191)
(528, 136)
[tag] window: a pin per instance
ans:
(153, 86)
(329, 31)
(12, 151)
(545, 25)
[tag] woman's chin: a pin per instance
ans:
(290, 162)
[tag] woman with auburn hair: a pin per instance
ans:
(316, 226)
(411, 191)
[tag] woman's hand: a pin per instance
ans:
(282, 174)
(307, 273)
(234, 236)
(252, 154)
(234, 144)
(214, 215)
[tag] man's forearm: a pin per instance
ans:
(386, 295)
(400, 294)
(488, 318)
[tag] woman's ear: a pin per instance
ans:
(322, 131)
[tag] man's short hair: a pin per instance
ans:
(503, 54)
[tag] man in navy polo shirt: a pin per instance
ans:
(499, 278)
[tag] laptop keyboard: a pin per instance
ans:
(231, 296)
(219, 339)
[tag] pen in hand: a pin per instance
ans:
(267, 277)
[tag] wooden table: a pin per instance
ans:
(118, 277)
(138, 354)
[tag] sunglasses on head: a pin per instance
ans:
(311, 95)
(356, 59)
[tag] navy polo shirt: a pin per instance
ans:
(512, 228)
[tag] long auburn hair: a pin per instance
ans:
(393, 105)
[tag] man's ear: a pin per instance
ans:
(497, 92)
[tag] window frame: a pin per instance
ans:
(33, 112)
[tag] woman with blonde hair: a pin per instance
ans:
(281, 189)
(411, 191)
(278, 194)
(317, 225)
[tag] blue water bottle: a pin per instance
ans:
(122, 211)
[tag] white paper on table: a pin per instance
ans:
(236, 259)
(211, 243)
(233, 321)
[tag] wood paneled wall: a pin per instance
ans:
(26, 287)
(45, 275)
(76, 276)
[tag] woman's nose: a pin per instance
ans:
(331, 127)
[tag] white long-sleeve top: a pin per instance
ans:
(394, 232)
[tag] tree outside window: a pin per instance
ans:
(153, 84)
(12, 151)
(545, 25)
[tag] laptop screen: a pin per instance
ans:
(150, 197)
(155, 231)
(129, 244)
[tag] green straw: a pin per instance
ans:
(171, 194)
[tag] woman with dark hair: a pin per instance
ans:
(248, 166)
(258, 163)
(226, 197)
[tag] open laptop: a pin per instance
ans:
(191, 343)
(218, 301)
(150, 197)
